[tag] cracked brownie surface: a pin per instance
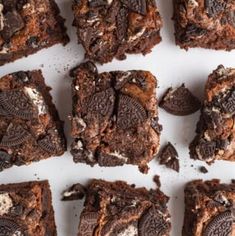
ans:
(119, 209)
(205, 23)
(115, 119)
(216, 129)
(30, 128)
(26, 210)
(109, 29)
(209, 209)
(26, 26)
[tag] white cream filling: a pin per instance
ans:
(5, 203)
(131, 230)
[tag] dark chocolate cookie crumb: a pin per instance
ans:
(156, 179)
(75, 192)
(168, 157)
(203, 169)
(180, 101)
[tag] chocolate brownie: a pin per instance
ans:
(119, 209)
(26, 210)
(215, 139)
(26, 26)
(205, 23)
(115, 119)
(109, 29)
(30, 128)
(209, 209)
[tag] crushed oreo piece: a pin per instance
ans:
(5, 160)
(203, 169)
(122, 23)
(138, 6)
(180, 102)
(88, 222)
(10, 227)
(168, 157)
(75, 192)
(156, 179)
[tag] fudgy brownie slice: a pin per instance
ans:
(115, 118)
(116, 208)
(26, 210)
(30, 128)
(27, 26)
(205, 23)
(215, 139)
(109, 29)
(209, 209)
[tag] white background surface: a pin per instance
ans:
(172, 67)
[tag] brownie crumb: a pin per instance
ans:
(157, 181)
(203, 169)
(168, 157)
(75, 192)
(180, 101)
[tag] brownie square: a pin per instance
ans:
(116, 208)
(30, 128)
(215, 139)
(209, 208)
(205, 23)
(115, 119)
(109, 29)
(28, 26)
(26, 209)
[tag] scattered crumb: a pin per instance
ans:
(203, 169)
(156, 179)
(75, 192)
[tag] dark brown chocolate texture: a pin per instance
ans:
(209, 208)
(28, 26)
(205, 23)
(26, 210)
(109, 29)
(116, 208)
(215, 139)
(180, 101)
(30, 128)
(115, 117)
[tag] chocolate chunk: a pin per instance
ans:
(152, 223)
(203, 170)
(9, 227)
(14, 136)
(15, 102)
(102, 103)
(75, 192)
(13, 22)
(130, 112)
(122, 23)
(221, 224)
(47, 144)
(88, 223)
(214, 7)
(5, 160)
(180, 101)
(138, 6)
(168, 157)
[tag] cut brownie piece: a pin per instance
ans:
(115, 118)
(116, 208)
(30, 128)
(27, 26)
(205, 23)
(109, 29)
(26, 209)
(209, 209)
(215, 138)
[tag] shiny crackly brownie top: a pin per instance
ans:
(111, 28)
(205, 23)
(115, 118)
(216, 128)
(118, 209)
(210, 209)
(30, 129)
(25, 210)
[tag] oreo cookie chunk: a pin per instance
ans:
(116, 208)
(215, 139)
(27, 26)
(209, 208)
(205, 23)
(115, 117)
(109, 29)
(30, 128)
(180, 101)
(26, 209)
